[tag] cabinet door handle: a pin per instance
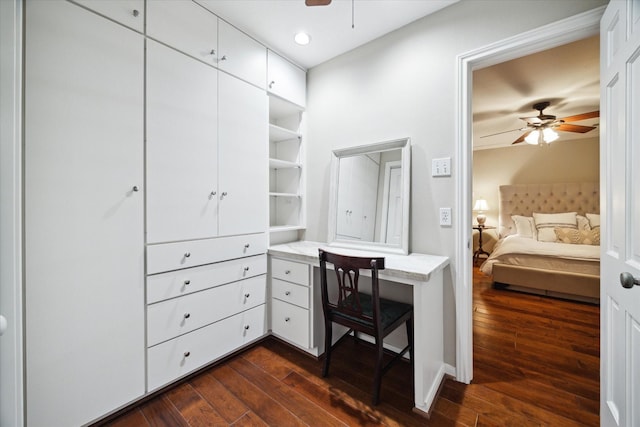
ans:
(186, 282)
(246, 246)
(271, 84)
(246, 327)
(287, 272)
(224, 58)
(246, 269)
(136, 12)
(187, 254)
(187, 353)
(222, 196)
(213, 193)
(187, 315)
(135, 188)
(213, 52)
(247, 295)
(287, 293)
(286, 319)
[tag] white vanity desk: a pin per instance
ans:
(297, 307)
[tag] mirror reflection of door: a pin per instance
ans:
(392, 204)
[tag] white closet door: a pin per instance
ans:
(241, 55)
(244, 140)
(84, 252)
(182, 158)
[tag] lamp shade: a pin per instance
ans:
(481, 205)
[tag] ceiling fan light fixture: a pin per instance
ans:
(533, 137)
(302, 38)
(549, 135)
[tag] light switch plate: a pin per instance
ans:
(445, 216)
(441, 167)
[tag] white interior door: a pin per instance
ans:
(620, 248)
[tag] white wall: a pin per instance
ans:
(404, 85)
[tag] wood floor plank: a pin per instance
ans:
(196, 411)
(159, 412)
(249, 420)
(259, 401)
(132, 418)
(219, 397)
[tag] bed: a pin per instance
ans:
(548, 240)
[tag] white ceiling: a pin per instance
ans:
(568, 76)
(275, 22)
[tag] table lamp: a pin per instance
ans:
(481, 206)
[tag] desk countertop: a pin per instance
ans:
(412, 267)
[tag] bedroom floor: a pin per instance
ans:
(536, 364)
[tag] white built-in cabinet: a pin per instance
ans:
(84, 218)
(287, 216)
(156, 159)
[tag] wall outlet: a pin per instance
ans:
(441, 167)
(445, 216)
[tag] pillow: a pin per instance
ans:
(578, 237)
(545, 223)
(594, 220)
(583, 222)
(525, 227)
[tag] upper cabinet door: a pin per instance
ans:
(244, 140)
(182, 117)
(286, 80)
(185, 26)
(126, 12)
(242, 56)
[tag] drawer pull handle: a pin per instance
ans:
(287, 272)
(286, 319)
(287, 293)
(213, 193)
(247, 295)
(187, 282)
(187, 315)
(213, 52)
(224, 58)
(247, 246)
(246, 269)
(135, 188)
(271, 84)
(246, 327)
(187, 353)
(136, 12)
(187, 254)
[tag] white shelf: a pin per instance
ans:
(284, 195)
(282, 228)
(278, 133)
(283, 164)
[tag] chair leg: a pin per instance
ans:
(328, 330)
(377, 377)
(411, 353)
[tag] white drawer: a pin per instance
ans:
(173, 359)
(177, 316)
(290, 292)
(182, 282)
(290, 322)
(174, 256)
(290, 271)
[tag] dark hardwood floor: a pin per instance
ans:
(536, 363)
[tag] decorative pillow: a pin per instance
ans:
(525, 227)
(594, 220)
(545, 223)
(583, 222)
(578, 237)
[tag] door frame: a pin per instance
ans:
(565, 31)
(11, 342)
(388, 166)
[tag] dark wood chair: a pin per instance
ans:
(344, 304)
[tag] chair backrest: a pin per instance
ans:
(348, 302)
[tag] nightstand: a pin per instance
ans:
(480, 250)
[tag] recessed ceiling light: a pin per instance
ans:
(302, 38)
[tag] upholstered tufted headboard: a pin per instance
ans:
(524, 199)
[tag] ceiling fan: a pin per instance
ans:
(541, 128)
(317, 2)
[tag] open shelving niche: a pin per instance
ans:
(287, 216)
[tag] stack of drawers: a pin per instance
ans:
(205, 299)
(290, 298)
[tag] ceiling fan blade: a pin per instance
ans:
(500, 133)
(574, 128)
(317, 2)
(584, 116)
(521, 139)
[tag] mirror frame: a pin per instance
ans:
(404, 144)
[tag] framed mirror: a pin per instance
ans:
(370, 195)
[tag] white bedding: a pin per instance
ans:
(555, 256)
